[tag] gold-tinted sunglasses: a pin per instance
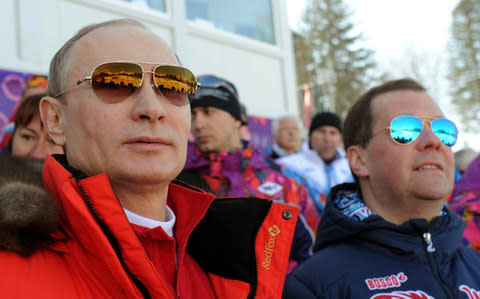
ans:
(115, 81)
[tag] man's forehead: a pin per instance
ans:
(327, 128)
(121, 42)
(217, 111)
(393, 103)
(288, 122)
(202, 108)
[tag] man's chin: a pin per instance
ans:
(151, 179)
(205, 147)
(152, 175)
(433, 195)
(327, 156)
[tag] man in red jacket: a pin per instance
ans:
(118, 103)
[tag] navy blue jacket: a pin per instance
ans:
(360, 255)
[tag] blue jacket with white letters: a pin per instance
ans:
(360, 255)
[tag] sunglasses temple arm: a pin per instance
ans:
(80, 81)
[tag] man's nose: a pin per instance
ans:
(150, 101)
(329, 137)
(428, 138)
(198, 122)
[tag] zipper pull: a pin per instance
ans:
(428, 239)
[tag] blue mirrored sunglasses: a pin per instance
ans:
(405, 129)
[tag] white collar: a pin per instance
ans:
(167, 225)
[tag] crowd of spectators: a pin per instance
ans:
(371, 206)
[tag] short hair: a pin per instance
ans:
(58, 65)
(276, 123)
(358, 123)
(27, 110)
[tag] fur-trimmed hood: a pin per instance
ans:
(28, 214)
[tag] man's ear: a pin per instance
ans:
(357, 159)
(238, 124)
(51, 112)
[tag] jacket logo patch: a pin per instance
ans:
(270, 188)
(403, 295)
(471, 293)
(274, 231)
(381, 283)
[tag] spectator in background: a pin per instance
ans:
(29, 138)
(244, 130)
(463, 158)
(221, 163)
(389, 235)
(118, 103)
(28, 214)
(287, 136)
(36, 84)
(465, 202)
(324, 164)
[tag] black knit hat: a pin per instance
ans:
(217, 92)
(325, 119)
(243, 115)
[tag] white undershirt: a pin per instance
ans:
(166, 225)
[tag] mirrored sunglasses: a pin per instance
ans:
(405, 129)
(115, 81)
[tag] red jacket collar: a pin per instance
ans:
(189, 206)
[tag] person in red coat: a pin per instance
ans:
(118, 226)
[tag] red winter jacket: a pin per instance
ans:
(230, 248)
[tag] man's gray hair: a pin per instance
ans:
(276, 123)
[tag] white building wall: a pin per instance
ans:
(31, 31)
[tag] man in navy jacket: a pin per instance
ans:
(389, 235)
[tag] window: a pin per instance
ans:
(152, 4)
(250, 18)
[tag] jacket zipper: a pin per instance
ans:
(428, 239)
(429, 247)
(113, 242)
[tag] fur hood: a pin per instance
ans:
(28, 214)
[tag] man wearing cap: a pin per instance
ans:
(389, 234)
(118, 103)
(324, 163)
(221, 163)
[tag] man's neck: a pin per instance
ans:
(400, 210)
(327, 161)
(148, 201)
